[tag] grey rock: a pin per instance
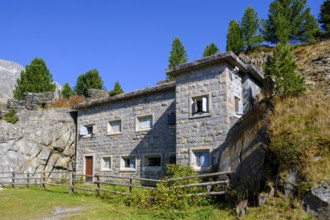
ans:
(317, 201)
(9, 73)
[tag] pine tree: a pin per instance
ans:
(234, 38)
(324, 17)
(116, 89)
(36, 78)
(178, 55)
(89, 80)
(249, 27)
(210, 49)
(282, 68)
(287, 20)
(67, 92)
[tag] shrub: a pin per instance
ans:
(11, 116)
(68, 103)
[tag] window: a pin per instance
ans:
(172, 158)
(87, 130)
(114, 127)
(200, 159)
(106, 163)
(128, 163)
(200, 105)
(238, 106)
(152, 160)
(144, 123)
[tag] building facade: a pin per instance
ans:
(183, 122)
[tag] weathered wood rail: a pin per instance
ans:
(103, 183)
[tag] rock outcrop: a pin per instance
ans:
(9, 73)
(245, 148)
(40, 141)
(317, 201)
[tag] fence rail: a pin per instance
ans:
(74, 181)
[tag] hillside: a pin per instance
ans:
(9, 73)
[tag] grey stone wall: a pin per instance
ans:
(160, 139)
(208, 131)
(221, 83)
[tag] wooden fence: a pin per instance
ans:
(73, 182)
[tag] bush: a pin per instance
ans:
(68, 103)
(11, 116)
(168, 196)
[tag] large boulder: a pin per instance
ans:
(37, 140)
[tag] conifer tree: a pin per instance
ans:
(249, 27)
(116, 89)
(234, 38)
(36, 78)
(210, 49)
(67, 92)
(287, 21)
(324, 17)
(282, 68)
(89, 80)
(178, 55)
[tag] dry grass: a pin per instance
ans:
(67, 103)
(306, 53)
(300, 135)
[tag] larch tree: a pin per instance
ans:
(234, 38)
(178, 55)
(67, 92)
(250, 29)
(36, 78)
(324, 17)
(210, 49)
(89, 80)
(283, 69)
(287, 21)
(117, 89)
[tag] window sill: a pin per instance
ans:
(152, 168)
(127, 170)
(200, 115)
(142, 130)
(198, 168)
(114, 133)
(88, 136)
(106, 170)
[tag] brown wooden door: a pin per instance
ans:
(89, 168)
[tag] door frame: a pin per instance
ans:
(84, 168)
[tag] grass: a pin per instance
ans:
(35, 204)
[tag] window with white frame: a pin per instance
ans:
(114, 127)
(128, 163)
(238, 106)
(144, 122)
(200, 159)
(200, 105)
(152, 160)
(87, 130)
(106, 163)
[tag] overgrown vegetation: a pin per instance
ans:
(67, 103)
(169, 196)
(300, 136)
(11, 116)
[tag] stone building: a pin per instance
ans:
(183, 122)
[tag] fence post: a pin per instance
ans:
(13, 180)
(28, 179)
(42, 180)
(70, 172)
(98, 184)
(131, 184)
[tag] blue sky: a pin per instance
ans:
(124, 40)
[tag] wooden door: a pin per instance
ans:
(89, 168)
